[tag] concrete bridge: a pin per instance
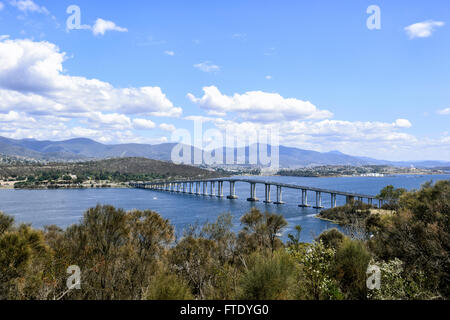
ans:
(207, 187)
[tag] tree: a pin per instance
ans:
(260, 231)
(268, 277)
(350, 267)
(331, 238)
(314, 269)
(419, 235)
(391, 195)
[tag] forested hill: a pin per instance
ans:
(118, 169)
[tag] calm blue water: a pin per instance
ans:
(66, 207)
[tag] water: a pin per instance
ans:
(66, 207)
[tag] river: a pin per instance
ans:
(65, 207)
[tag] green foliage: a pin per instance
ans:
(391, 195)
(419, 235)
(314, 265)
(261, 231)
(168, 286)
(331, 238)
(350, 267)
(347, 214)
(396, 285)
(6, 222)
(133, 255)
(268, 277)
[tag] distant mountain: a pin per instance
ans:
(86, 149)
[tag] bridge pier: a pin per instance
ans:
(333, 200)
(370, 201)
(197, 188)
(220, 189)
(205, 188)
(267, 194)
(350, 199)
(232, 194)
(212, 192)
(318, 200)
(252, 193)
(279, 196)
(304, 199)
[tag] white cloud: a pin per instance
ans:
(143, 124)
(423, 29)
(101, 26)
(32, 80)
(258, 106)
(402, 123)
(12, 116)
(28, 6)
(365, 138)
(38, 99)
(1, 6)
(167, 127)
(169, 53)
(268, 77)
(207, 66)
(3, 37)
(445, 111)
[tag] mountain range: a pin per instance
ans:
(81, 149)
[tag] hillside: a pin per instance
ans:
(83, 149)
(119, 169)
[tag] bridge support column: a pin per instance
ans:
(252, 193)
(350, 199)
(213, 189)
(333, 200)
(318, 200)
(279, 196)
(197, 188)
(380, 202)
(232, 191)
(220, 189)
(304, 203)
(267, 193)
(370, 201)
(205, 188)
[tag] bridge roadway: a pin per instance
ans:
(194, 187)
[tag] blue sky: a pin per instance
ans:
(313, 68)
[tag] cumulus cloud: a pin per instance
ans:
(402, 123)
(373, 138)
(169, 53)
(28, 6)
(1, 6)
(258, 106)
(101, 26)
(445, 111)
(32, 78)
(207, 66)
(423, 29)
(167, 127)
(37, 98)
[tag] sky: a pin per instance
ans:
(367, 78)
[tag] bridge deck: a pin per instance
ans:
(255, 181)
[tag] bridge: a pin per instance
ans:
(207, 187)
